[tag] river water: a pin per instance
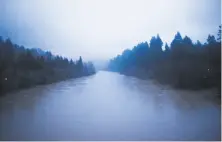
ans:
(109, 106)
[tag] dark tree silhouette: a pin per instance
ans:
(184, 64)
(219, 34)
(22, 68)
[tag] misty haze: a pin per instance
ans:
(110, 70)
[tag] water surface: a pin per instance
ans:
(109, 106)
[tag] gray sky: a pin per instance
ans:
(101, 29)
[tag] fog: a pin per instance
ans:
(109, 106)
(100, 29)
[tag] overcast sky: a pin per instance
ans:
(101, 29)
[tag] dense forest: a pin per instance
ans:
(183, 63)
(22, 67)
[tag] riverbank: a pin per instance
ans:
(216, 91)
(22, 67)
(41, 84)
(109, 107)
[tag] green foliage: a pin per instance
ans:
(184, 64)
(22, 68)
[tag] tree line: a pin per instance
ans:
(183, 64)
(21, 67)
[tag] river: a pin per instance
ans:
(109, 106)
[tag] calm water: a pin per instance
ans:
(108, 106)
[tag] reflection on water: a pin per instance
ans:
(108, 106)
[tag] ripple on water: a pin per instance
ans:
(108, 106)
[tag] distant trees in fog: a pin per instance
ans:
(22, 68)
(183, 63)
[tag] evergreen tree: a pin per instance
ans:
(22, 68)
(184, 64)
